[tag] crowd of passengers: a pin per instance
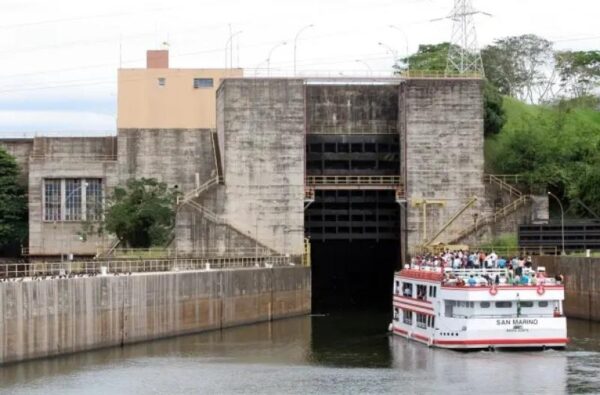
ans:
(517, 270)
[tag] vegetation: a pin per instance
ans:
(142, 214)
(13, 206)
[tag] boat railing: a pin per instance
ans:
(512, 315)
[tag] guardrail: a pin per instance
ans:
(158, 253)
(50, 270)
(353, 180)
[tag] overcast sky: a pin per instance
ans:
(59, 58)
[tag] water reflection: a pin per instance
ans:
(337, 353)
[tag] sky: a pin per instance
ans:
(59, 58)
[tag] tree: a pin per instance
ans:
(433, 58)
(142, 214)
(13, 204)
(519, 66)
(579, 71)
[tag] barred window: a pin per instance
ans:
(73, 199)
(93, 197)
(52, 200)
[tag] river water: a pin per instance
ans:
(333, 354)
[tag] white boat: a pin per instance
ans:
(438, 307)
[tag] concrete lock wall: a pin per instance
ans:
(54, 317)
(582, 283)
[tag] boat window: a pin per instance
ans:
(432, 321)
(421, 291)
(526, 304)
(407, 317)
(421, 321)
(503, 305)
(484, 305)
(397, 288)
(432, 291)
(449, 308)
(396, 314)
(543, 303)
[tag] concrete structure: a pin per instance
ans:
(582, 283)
(54, 317)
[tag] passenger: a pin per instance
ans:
(497, 280)
(528, 262)
(525, 279)
(472, 281)
(556, 312)
(501, 263)
(533, 280)
(516, 280)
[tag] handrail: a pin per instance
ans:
(54, 270)
(353, 180)
(194, 193)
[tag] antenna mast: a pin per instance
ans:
(463, 54)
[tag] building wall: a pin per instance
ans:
(72, 157)
(20, 149)
(60, 316)
(142, 103)
(582, 283)
(263, 156)
(443, 126)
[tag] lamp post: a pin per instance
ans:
(295, 43)
(366, 65)
(562, 221)
(227, 43)
(84, 184)
(405, 42)
(390, 49)
(281, 44)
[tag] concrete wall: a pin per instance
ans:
(20, 149)
(67, 157)
(352, 109)
(582, 283)
(263, 140)
(443, 127)
(54, 317)
(143, 103)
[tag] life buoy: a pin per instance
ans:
(540, 289)
(493, 291)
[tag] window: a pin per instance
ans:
(432, 291)
(397, 287)
(407, 289)
(407, 317)
(421, 291)
(503, 305)
(526, 304)
(203, 83)
(162, 81)
(73, 199)
(431, 321)
(52, 199)
(93, 199)
(543, 303)
(484, 305)
(396, 314)
(421, 321)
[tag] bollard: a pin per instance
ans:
(588, 253)
(103, 270)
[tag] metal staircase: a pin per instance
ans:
(520, 201)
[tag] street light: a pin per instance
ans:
(562, 220)
(405, 42)
(62, 223)
(366, 64)
(281, 44)
(231, 36)
(390, 49)
(295, 43)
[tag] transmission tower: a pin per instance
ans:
(463, 53)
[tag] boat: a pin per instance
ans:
(478, 308)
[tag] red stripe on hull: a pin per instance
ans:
(511, 342)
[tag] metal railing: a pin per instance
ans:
(353, 180)
(372, 127)
(74, 157)
(194, 193)
(49, 270)
(162, 252)
(501, 182)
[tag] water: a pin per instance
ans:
(332, 354)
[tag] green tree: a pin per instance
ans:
(142, 214)
(518, 66)
(579, 71)
(13, 205)
(433, 58)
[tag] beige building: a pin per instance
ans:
(159, 97)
